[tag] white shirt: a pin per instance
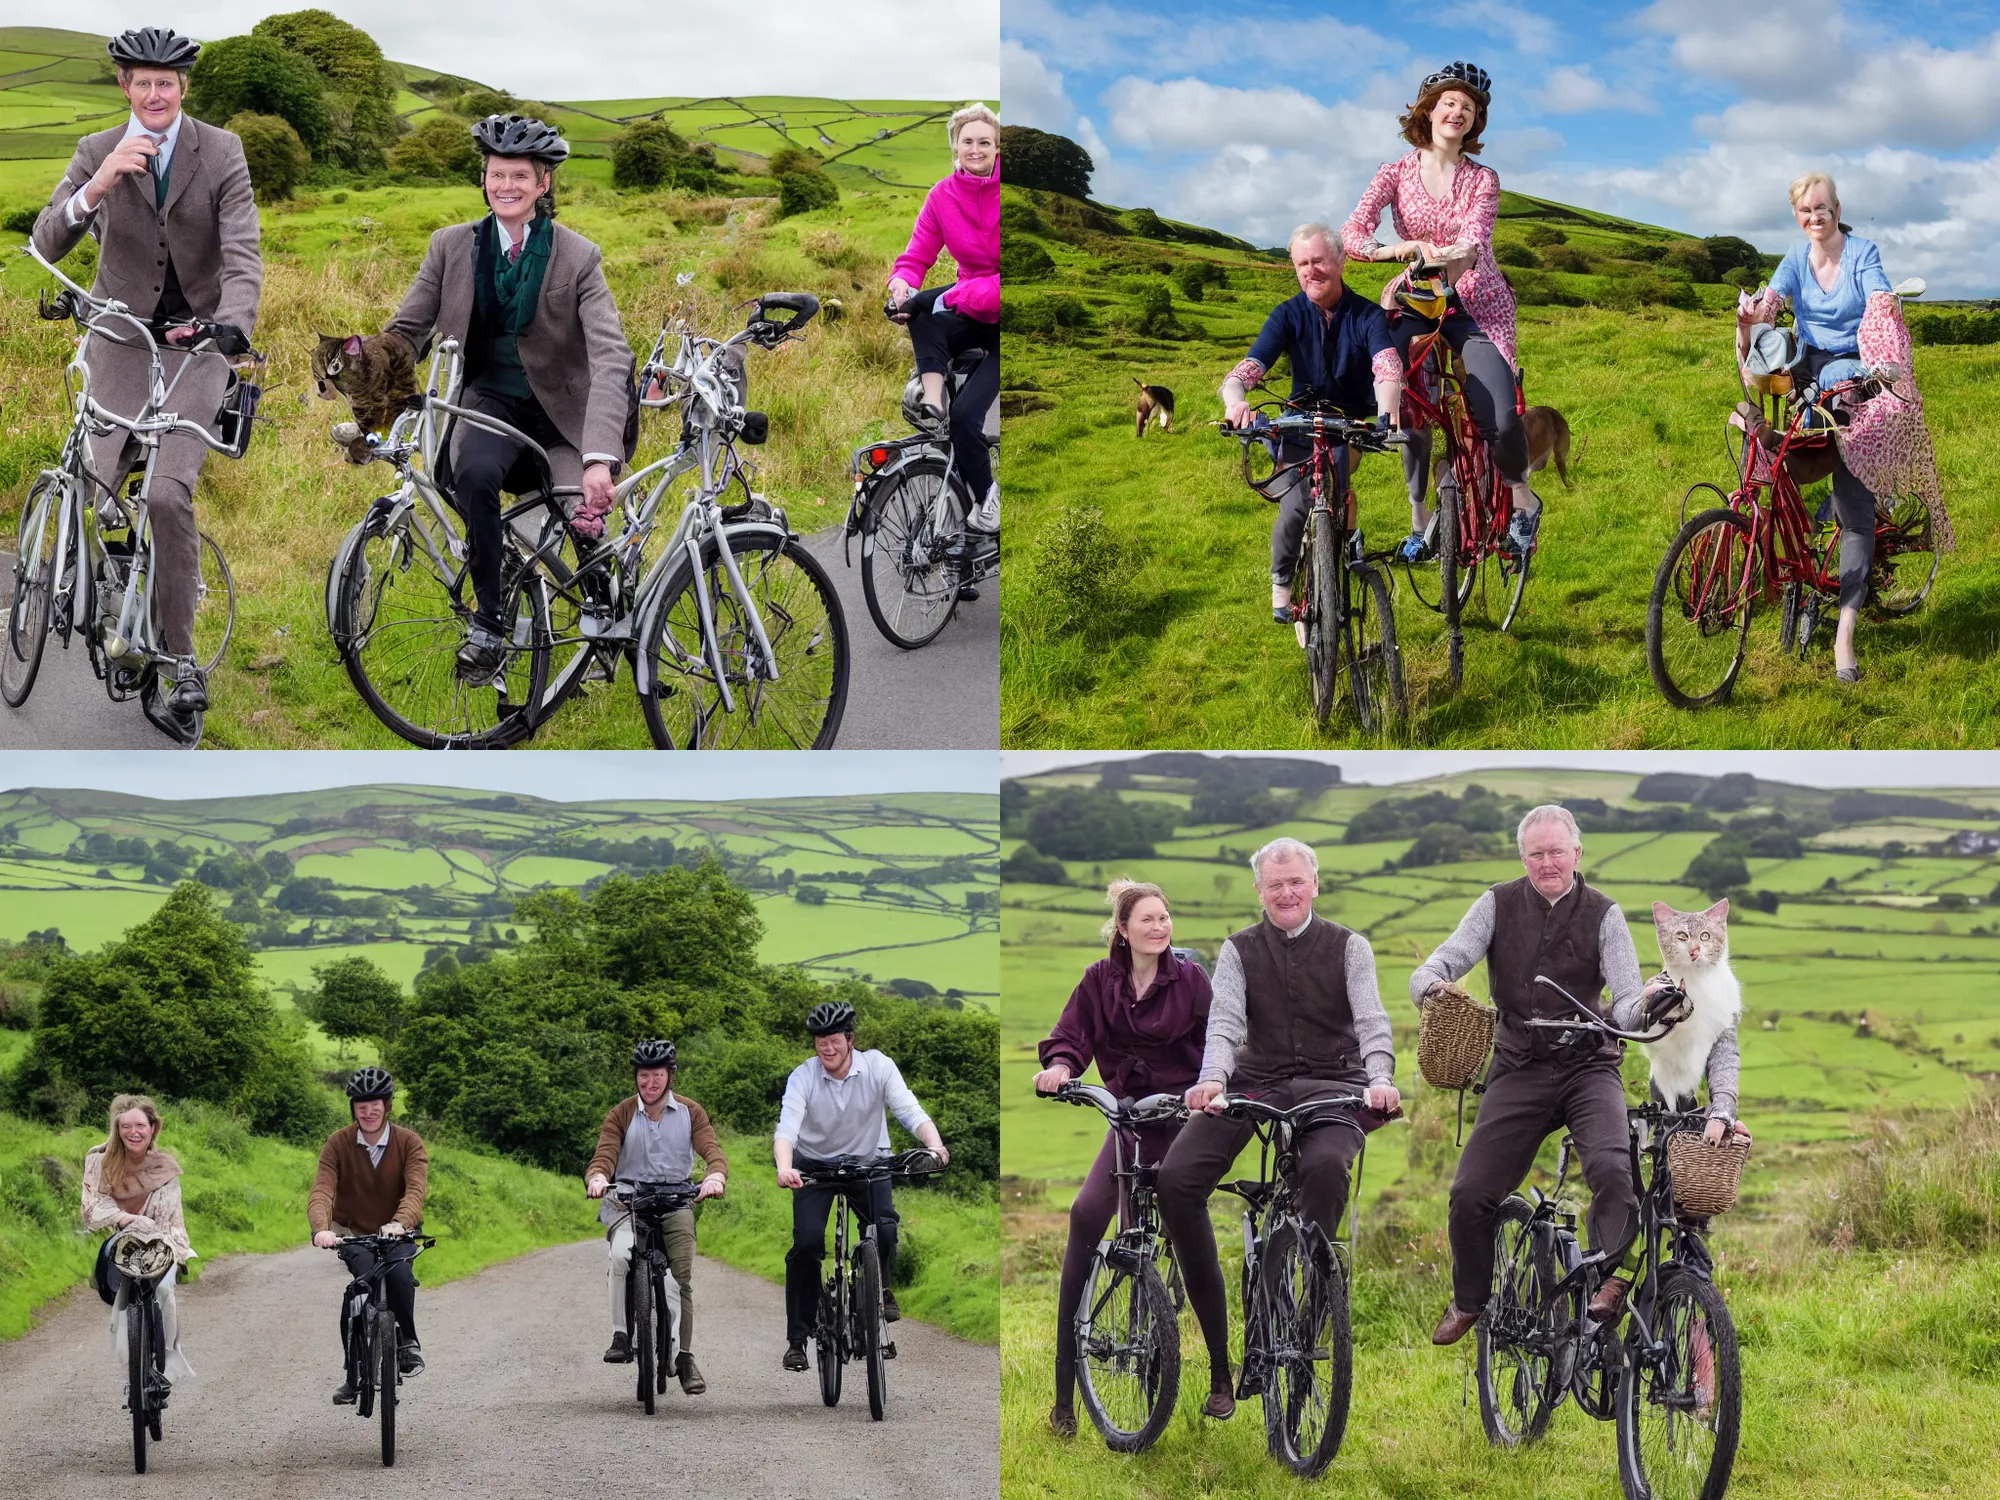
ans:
(507, 241)
(77, 212)
(825, 1116)
(375, 1147)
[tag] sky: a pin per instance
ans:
(1693, 114)
(608, 49)
(1845, 769)
(556, 775)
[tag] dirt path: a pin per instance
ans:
(515, 1405)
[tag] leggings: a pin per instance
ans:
(938, 335)
(1853, 504)
(480, 467)
(1489, 388)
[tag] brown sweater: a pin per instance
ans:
(351, 1191)
(611, 1138)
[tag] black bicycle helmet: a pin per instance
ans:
(371, 1083)
(520, 135)
(830, 1016)
(653, 1055)
(1469, 75)
(152, 47)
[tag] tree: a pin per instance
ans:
(1691, 256)
(792, 159)
(1719, 867)
(359, 85)
(354, 999)
(256, 75)
(651, 154)
(1038, 159)
(1246, 806)
(1073, 823)
(803, 192)
(809, 895)
(1443, 844)
(1026, 866)
(1726, 252)
(278, 162)
(439, 150)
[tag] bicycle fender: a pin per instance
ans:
(379, 510)
(643, 676)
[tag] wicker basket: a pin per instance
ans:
(1453, 1037)
(1706, 1177)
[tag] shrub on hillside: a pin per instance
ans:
(1956, 328)
(832, 249)
(1543, 235)
(803, 192)
(479, 103)
(1079, 568)
(1727, 253)
(1510, 253)
(1152, 313)
(1079, 823)
(1630, 293)
(20, 220)
(1744, 277)
(1691, 258)
(651, 154)
(277, 158)
(1055, 317)
(1038, 159)
(439, 150)
(1017, 217)
(1444, 844)
(351, 999)
(257, 75)
(1719, 867)
(359, 84)
(1023, 259)
(1028, 866)
(1566, 258)
(1194, 277)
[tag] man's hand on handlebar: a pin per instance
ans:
(1383, 1098)
(711, 1186)
(597, 1186)
(788, 1177)
(1205, 1096)
(1051, 1078)
(326, 1239)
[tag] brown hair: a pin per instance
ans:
(1121, 896)
(111, 1175)
(1416, 121)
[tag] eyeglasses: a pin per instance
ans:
(1542, 856)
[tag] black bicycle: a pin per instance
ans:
(648, 1313)
(143, 1261)
(1298, 1346)
(850, 1325)
(1674, 1383)
(372, 1370)
(1128, 1335)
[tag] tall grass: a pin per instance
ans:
(1926, 1182)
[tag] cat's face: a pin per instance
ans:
(330, 359)
(1692, 940)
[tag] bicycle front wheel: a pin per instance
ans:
(1322, 583)
(1698, 622)
(1374, 661)
(387, 1373)
(1128, 1354)
(214, 606)
(827, 1337)
(796, 708)
(139, 1356)
(1454, 584)
(1680, 1403)
(663, 1335)
(35, 564)
(870, 1310)
(1906, 562)
(1518, 1332)
(1310, 1349)
(910, 586)
(644, 1352)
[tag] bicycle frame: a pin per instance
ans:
(1138, 1236)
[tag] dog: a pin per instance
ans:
(1156, 402)
(1548, 437)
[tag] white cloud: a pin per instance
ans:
(1530, 34)
(1032, 90)
(1191, 114)
(1915, 94)
(1575, 90)
(1766, 51)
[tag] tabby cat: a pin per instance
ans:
(1694, 948)
(376, 374)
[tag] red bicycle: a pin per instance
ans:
(1473, 506)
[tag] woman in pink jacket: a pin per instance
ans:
(962, 215)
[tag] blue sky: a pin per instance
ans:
(1695, 114)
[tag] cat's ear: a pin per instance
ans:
(1661, 911)
(353, 344)
(1719, 911)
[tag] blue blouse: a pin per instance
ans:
(1832, 320)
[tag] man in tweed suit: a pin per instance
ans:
(544, 351)
(168, 200)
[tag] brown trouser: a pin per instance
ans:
(677, 1237)
(1522, 1104)
(119, 379)
(1204, 1150)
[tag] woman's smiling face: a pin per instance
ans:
(978, 147)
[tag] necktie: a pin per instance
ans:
(158, 164)
(514, 252)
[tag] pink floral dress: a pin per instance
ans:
(1886, 443)
(1465, 217)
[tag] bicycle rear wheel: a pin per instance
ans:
(644, 1353)
(870, 1311)
(1128, 1354)
(214, 606)
(910, 588)
(1680, 1411)
(1906, 562)
(399, 627)
(387, 1374)
(35, 564)
(808, 636)
(1374, 661)
(1698, 621)
(1310, 1348)
(1321, 569)
(1517, 1378)
(139, 1358)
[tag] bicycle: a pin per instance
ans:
(735, 634)
(908, 509)
(1473, 505)
(1128, 1337)
(72, 575)
(144, 1261)
(1759, 544)
(1295, 1288)
(1339, 592)
(1674, 1383)
(648, 1279)
(850, 1301)
(371, 1353)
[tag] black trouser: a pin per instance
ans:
(400, 1279)
(1489, 387)
(1853, 501)
(1204, 1150)
(1522, 1104)
(481, 462)
(872, 1202)
(938, 335)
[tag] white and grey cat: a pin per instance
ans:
(1694, 949)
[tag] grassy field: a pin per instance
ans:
(1176, 646)
(338, 260)
(1856, 1013)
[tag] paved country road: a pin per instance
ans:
(516, 1403)
(69, 710)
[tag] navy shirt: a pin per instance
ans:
(1332, 356)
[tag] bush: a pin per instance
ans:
(1543, 235)
(1075, 823)
(277, 158)
(1026, 866)
(1054, 317)
(803, 192)
(832, 249)
(359, 86)
(1193, 277)
(1153, 315)
(479, 103)
(1017, 217)
(1744, 277)
(1508, 253)
(1078, 563)
(792, 159)
(1630, 293)
(1038, 159)
(1719, 867)
(1691, 258)
(353, 999)
(439, 150)
(1728, 253)
(1566, 258)
(651, 154)
(1023, 259)
(256, 75)
(20, 220)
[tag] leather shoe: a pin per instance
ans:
(1219, 1405)
(795, 1357)
(190, 692)
(620, 1352)
(1062, 1421)
(690, 1376)
(480, 658)
(1610, 1299)
(1453, 1326)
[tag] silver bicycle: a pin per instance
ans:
(734, 632)
(83, 553)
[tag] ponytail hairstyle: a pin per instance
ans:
(1121, 896)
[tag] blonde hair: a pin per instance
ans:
(1805, 182)
(965, 117)
(1316, 231)
(111, 1175)
(1121, 896)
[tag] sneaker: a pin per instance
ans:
(480, 658)
(620, 1352)
(890, 1312)
(409, 1359)
(985, 516)
(343, 1394)
(968, 593)
(190, 692)
(795, 1356)
(1521, 529)
(690, 1376)
(1416, 547)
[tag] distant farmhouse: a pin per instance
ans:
(1971, 842)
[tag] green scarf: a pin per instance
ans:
(517, 284)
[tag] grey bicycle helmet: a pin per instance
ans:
(371, 1083)
(520, 135)
(830, 1016)
(653, 1055)
(152, 47)
(1468, 75)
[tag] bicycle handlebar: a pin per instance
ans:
(421, 1241)
(76, 303)
(1242, 1107)
(869, 1168)
(1589, 1020)
(1366, 435)
(1120, 1111)
(671, 1196)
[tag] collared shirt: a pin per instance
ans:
(1229, 1011)
(77, 213)
(824, 1116)
(507, 240)
(1337, 353)
(659, 1150)
(375, 1147)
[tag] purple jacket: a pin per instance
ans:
(961, 214)
(1151, 1047)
